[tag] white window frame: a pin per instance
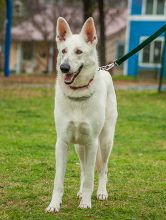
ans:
(154, 8)
(151, 64)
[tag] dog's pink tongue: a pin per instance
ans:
(68, 77)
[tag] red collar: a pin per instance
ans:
(81, 87)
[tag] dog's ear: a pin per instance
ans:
(89, 32)
(62, 30)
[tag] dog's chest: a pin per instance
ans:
(79, 132)
(79, 123)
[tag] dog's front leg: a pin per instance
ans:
(61, 154)
(88, 184)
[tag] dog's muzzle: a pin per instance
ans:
(70, 77)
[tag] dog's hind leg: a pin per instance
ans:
(81, 154)
(104, 150)
(101, 165)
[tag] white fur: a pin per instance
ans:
(89, 123)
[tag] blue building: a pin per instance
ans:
(145, 17)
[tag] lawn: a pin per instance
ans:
(137, 167)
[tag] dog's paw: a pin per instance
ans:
(102, 195)
(85, 204)
(52, 209)
(79, 194)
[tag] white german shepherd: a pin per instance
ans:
(85, 112)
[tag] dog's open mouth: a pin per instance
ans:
(70, 77)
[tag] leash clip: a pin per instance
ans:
(107, 67)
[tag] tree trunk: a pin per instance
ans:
(88, 7)
(102, 32)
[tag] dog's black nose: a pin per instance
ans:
(65, 67)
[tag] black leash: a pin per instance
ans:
(119, 61)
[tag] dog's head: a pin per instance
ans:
(77, 58)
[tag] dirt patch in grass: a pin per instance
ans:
(24, 93)
(30, 79)
(51, 79)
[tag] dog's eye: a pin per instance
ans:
(64, 51)
(78, 51)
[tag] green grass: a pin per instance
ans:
(124, 78)
(137, 167)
